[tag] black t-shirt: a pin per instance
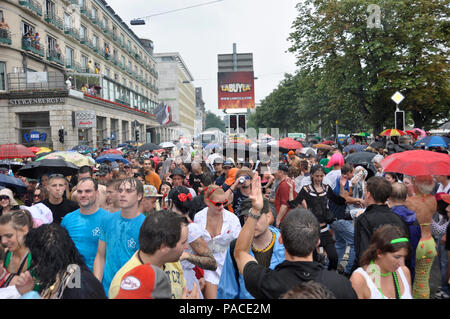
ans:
(90, 287)
(195, 181)
(61, 210)
(264, 283)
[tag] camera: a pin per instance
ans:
(241, 180)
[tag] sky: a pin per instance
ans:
(199, 34)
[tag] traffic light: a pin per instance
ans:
(61, 135)
(241, 123)
(233, 121)
(137, 135)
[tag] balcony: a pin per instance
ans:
(53, 19)
(32, 5)
(17, 82)
(75, 66)
(5, 36)
(94, 19)
(72, 32)
(74, 2)
(55, 56)
(31, 46)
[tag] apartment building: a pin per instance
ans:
(74, 64)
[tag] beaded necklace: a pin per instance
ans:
(376, 272)
(267, 248)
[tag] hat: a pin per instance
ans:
(145, 282)
(9, 193)
(336, 158)
(103, 170)
(247, 204)
(283, 167)
(218, 160)
(150, 191)
(291, 153)
(228, 162)
(177, 171)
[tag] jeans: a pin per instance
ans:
(443, 264)
(328, 244)
(344, 236)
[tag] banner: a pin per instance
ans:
(236, 90)
(85, 119)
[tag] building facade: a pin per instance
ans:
(177, 90)
(73, 64)
(200, 119)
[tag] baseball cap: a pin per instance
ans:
(103, 170)
(247, 204)
(177, 171)
(150, 191)
(218, 160)
(144, 282)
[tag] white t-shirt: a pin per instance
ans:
(442, 189)
(231, 227)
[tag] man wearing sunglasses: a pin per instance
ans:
(56, 201)
(240, 191)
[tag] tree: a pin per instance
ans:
(361, 67)
(213, 121)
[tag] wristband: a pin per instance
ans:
(250, 214)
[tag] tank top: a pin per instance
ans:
(375, 293)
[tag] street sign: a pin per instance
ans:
(397, 97)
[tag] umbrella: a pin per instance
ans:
(185, 140)
(11, 164)
(434, 141)
(360, 158)
(15, 151)
(211, 146)
(34, 149)
(328, 142)
(308, 151)
(417, 162)
(392, 132)
(323, 146)
(148, 147)
(356, 147)
(364, 134)
(445, 126)
(111, 158)
(71, 157)
(111, 151)
(48, 166)
(44, 150)
(290, 143)
(377, 144)
(422, 133)
(412, 133)
(15, 184)
(82, 149)
(166, 145)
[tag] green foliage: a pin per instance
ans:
(213, 121)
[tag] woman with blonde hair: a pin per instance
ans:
(222, 227)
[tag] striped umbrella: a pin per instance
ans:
(392, 132)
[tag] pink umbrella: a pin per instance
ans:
(422, 133)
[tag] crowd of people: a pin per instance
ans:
(215, 227)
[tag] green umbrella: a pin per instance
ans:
(363, 134)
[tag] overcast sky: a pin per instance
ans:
(199, 34)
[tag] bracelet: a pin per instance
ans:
(250, 214)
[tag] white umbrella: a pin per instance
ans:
(167, 145)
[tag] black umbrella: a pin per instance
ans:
(362, 158)
(148, 147)
(377, 144)
(11, 164)
(48, 166)
(15, 184)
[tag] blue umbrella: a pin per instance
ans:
(111, 158)
(15, 184)
(356, 147)
(434, 141)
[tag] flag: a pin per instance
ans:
(163, 114)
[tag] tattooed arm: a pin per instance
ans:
(204, 258)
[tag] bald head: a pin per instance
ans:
(399, 192)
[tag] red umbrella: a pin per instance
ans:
(111, 151)
(15, 151)
(290, 143)
(417, 162)
(34, 149)
(392, 132)
(411, 132)
(328, 142)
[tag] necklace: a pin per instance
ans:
(376, 272)
(267, 248)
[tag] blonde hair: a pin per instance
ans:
(212, 191)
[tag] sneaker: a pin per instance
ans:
(440, 294)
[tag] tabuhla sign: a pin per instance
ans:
(85, 119)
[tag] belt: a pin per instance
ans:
(324, 228)
(345, 218)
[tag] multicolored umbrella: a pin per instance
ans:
(392, 132)
(417, 162)
(111, 151)
(15, 151)
(71, 157)
(44, 150)
(34, 149)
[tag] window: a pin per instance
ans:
(95, 41)
(69, 56)
(114, 30)
(50, 8)
(129, 45)
(2, 76)
(51, 43)
(94, 12)
(83, 32)
(84, 62)
(107, 72)
(122, 39)
(105, 22)
(27, 28)
(67, 21)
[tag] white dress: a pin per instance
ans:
(231, 228)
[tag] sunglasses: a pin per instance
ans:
(2, 197)
(36, 195)
(218, 204)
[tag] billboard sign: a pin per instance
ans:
(236, 90)
(85, 119)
